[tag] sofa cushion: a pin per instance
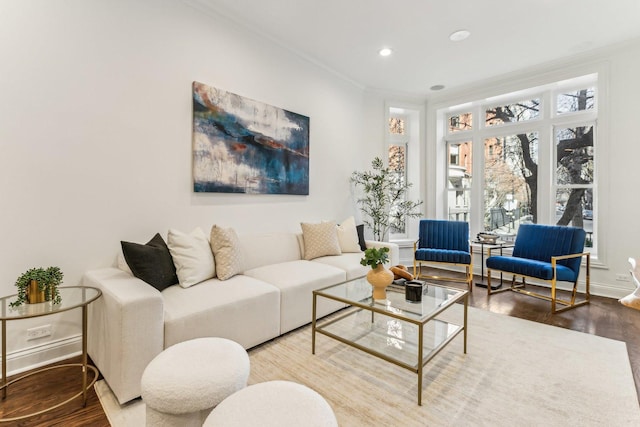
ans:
(443, 255)
(151, 262)
(192, 256)
(226, 252)
(242, 309)
(349, 262)
(269, 248)
(348, 236)
(531, 268)
(320, 239)
(296, 281)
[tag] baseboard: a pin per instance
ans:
(44, 354)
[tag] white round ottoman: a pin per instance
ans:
(182, 384)
(273, 404)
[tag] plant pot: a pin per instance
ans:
(34, 294)
(380, 278)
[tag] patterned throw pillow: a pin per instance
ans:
(320, 239)
(226, 252)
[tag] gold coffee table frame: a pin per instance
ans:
(357, 293)
(71, 297)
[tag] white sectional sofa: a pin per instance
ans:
(132, 322)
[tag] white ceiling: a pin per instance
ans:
(506, 35)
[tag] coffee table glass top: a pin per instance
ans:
(358, 292)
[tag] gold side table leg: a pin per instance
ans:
(84, 355)
(420, 362)
(466, 304)
(313, 325)
(4, 359)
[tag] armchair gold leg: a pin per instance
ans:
(488, 282)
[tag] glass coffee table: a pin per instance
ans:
(404, 333)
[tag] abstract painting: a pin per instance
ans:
(246, 146)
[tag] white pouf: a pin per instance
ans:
(273, 403)
(182, 384)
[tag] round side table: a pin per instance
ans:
(71, 297)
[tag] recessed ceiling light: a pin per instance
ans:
(437, 87)
(385, 51)
(459, 35)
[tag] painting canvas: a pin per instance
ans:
(245, 146)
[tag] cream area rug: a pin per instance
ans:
(515, 372)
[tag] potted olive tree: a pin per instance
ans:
(383, 200)
(39, 285)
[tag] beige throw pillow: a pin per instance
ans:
(226, 252)
(320, 239)
(192, 256)
(348, 236)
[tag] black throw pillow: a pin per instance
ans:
(361, 242)
(151, 262)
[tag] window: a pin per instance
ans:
(515, 112)
(459, 179)
(402, 146)
(577, 100)
(535, 152)
(398, 166)
(460, 122)
(507, 196)
(397, 161)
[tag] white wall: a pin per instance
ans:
(618, 150)
(95, 132)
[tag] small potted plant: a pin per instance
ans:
(39, 285)
(379, 277)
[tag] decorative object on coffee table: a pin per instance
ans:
(379, 277)
(413, 290)
(401, 272)
(38, 285)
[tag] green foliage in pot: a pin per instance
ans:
(48, 281)
(375, 256)
(383, 199)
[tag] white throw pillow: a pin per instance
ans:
(122, 263)
(320, 239)
(192, 256)
(226, 251)
(348, 236)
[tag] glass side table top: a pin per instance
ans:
(72, 297)
(358, 292)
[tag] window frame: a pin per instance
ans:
(545, 124)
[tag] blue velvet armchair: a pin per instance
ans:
(443, 242)
(548, 253)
